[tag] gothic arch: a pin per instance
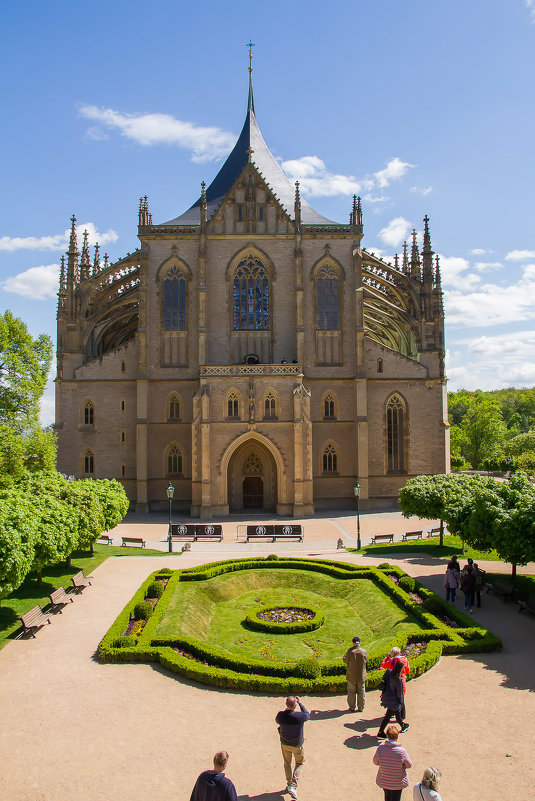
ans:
(88, 463)
(256, 253)
(174, 407)
(329, 458)
(172, 261)
(247, 437)
(270, 403)
(174, 460)
(88, 413)
(233, 396)
(396, 433)
(329, 403)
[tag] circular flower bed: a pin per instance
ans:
(285, 619)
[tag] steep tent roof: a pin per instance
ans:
(250, 139)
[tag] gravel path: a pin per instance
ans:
(74, 729)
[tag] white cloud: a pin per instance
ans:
(38, 283)
(491, 304)
(57, 241)
(481, 266)
(395, 232)
(520, 255)
(422, 190)
(394, 170)
(530, 4)
(316, 180)
(493, 362)
(479, 252)
(205, 143)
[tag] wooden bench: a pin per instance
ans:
(502, 588)
(106, 538)
(412, 535)
(275, 532)
(133, 541)
(528, 605)
(80, 581)
(59, 598)
(382, 538)
(434, 532)
(34, 619)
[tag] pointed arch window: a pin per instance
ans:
(330, 459)
(395, 434)
(173, 411)
(233, 405)
(270, 405)
(251, 295)
(89, 463)
(174, 291)
(327, 298)
(329, 407)
(89, 414)
(174, 461)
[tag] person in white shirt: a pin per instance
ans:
(426, 790)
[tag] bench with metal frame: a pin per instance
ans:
(412, 535)
(80, 581)
(197, 531)
(382, 538)
(528, 605)
(273, 532)
(60, 598)
(434, 532)
(502, 588)
(106, 538)
(34, 619)
(133, 541)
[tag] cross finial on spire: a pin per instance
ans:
(250, 45)
(250, 152)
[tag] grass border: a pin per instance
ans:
(213, 665)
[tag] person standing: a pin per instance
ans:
(468, 585)
(355, 660)
(392, 699)
(451, 583)
(291, 723)
(213, 785)
(479, 577)
(389, 661)
(427, 789)
(392, 760)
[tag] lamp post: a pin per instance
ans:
(356, 490)
(170, 492)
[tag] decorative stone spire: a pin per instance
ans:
(427, 254)
(297, 207)
(85, 263)
(250, 99)
(204, 206)
(396, 261)
(106, 261)
(62, 294)
(416, 271)
(143, 214)
(405, 264)
(96, 260)
(438, 286)
(72, 254)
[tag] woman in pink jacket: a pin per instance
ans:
(392, 760)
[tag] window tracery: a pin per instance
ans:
(327, 298)
(251, 295)
(233, 405)
(173, 410)
(395, 425)
(89, 463)
(174, 290)
(270, 404)
(174, 461)
(89, 414)
(329, 406)
(330, 459)
(252, 466)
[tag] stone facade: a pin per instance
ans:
(253, 354)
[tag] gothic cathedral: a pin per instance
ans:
(252, 353)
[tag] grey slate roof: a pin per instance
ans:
(267, 165)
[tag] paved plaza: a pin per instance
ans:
(72, 728)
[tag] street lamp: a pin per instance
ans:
(356, 490)
(170, 492)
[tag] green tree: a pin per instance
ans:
(482, 431)
(113, 499)
(24, 366)
(18, 532)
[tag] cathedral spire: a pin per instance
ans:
(203, 206)
(405, 263)
(396, 261)
(62, 294)
(85, 264)
(72, 254)
(297, 207)
(250, 99)
(415, 258)
(427, 254)
(96, 260)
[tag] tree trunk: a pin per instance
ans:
(39, 578)
(441, 541)
(464, 552)
(513, 571)
(68, 560)
(91, 551)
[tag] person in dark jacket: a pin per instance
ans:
(291, 723)
(392, 699)
(213, 785)
(468, 585)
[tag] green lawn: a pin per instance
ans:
(452, 545)
(214, 611)
(524, 584)
(30, 593)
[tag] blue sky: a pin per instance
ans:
(420, 107)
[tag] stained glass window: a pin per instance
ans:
(174, 288)
(327, 298)
(395, 431)
(251, 296)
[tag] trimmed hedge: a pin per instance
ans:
(273, 626)
(224, 670)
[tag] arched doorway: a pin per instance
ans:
(252, 479)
